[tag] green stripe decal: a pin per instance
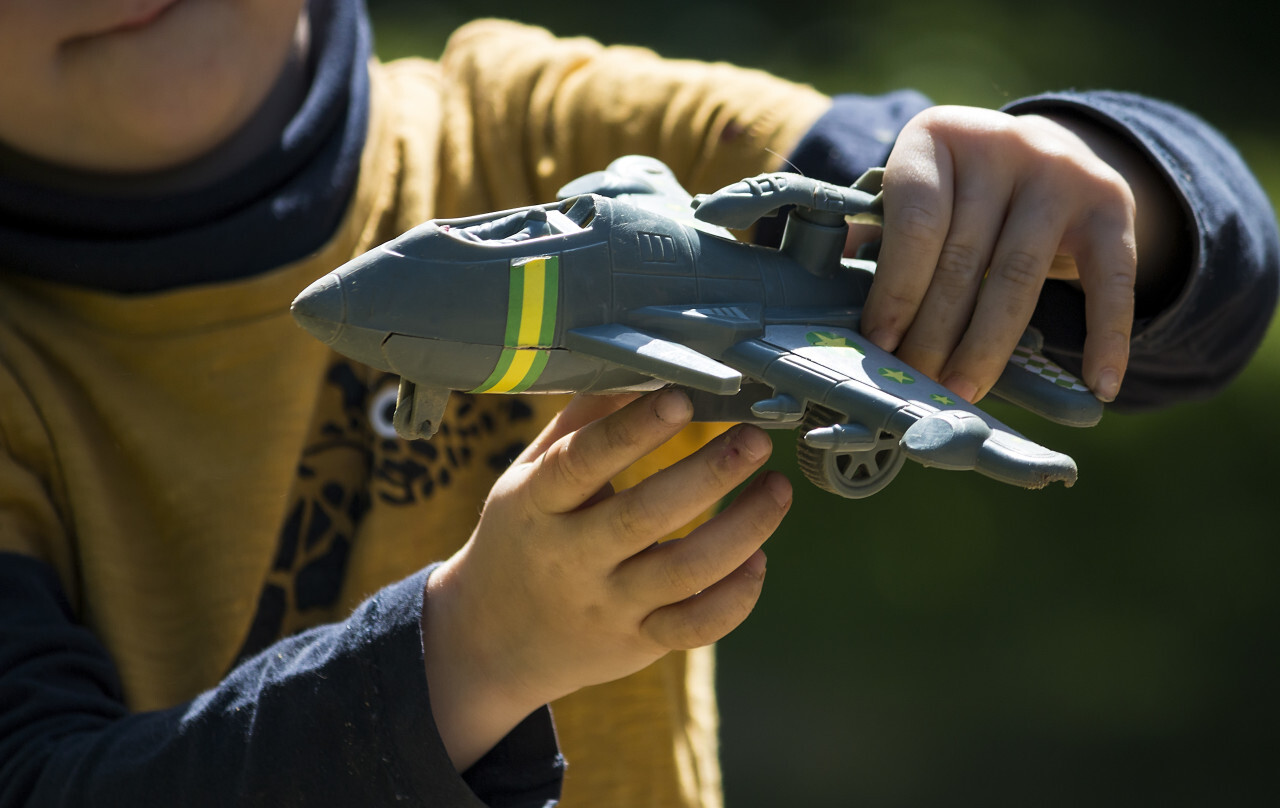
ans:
(515, 305)
(550, 302)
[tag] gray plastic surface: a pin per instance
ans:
(628, 283)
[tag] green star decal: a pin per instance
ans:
(897, 375)
(826, 339)
(945, 401)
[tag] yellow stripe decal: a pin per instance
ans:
(518, 364)
(517, 370)
(535, 279)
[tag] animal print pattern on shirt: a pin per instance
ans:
(352, 458)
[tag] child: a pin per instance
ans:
(218, 580)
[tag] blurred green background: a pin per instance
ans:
(952, 641)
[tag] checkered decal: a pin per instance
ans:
(1047, 370)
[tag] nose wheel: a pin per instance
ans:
(850, 474)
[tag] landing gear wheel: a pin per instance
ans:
(850, 474)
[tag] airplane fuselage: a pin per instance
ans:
(442, 307)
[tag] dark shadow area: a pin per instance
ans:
(951, 641)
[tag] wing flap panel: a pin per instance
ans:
(660, 358)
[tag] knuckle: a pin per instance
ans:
(618, 434)
(1118, 336)
(572, 469)
(889, 307)
(1022, 270)
(758, 515)
(1110, 269)
(765, 519)
(901, 300)
(932, 117)
(1100, 179)
(1114, 223)
(919, 223)
(1091, 180)
(1114, 192)
(958, 265)
(685, 577)
(636, 518)
(1120, 280)
(1110, 211)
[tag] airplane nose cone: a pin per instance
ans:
(322, 308)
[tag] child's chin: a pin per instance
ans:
(169, 118)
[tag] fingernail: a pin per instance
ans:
(1107, 387)
(884, 339)
(752, 442)
(673, 407)
(961, 387)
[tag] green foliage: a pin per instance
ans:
(953, 641)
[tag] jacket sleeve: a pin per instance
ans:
(337, 715)
(1194, 346)
(1185, 349)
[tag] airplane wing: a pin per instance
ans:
(1030, 380)
(1035, 383)
(868, 411)
(657, 357)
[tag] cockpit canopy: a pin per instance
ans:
(571, 216)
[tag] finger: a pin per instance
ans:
(712, 613)
(917, 212)
(578, 464)
(673, 497)
(858, 236)
(1108, 272)
(947, 309)
(678, 569)
(1020, 262)
(581, 410)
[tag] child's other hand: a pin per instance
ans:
(972, 194)
(564, 584)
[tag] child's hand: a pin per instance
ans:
(563, 583)
(972, 193)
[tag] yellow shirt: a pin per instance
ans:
(205, 477)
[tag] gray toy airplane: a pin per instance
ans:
(629, 284)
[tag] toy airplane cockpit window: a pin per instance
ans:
(630, 284)
(573, 216)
